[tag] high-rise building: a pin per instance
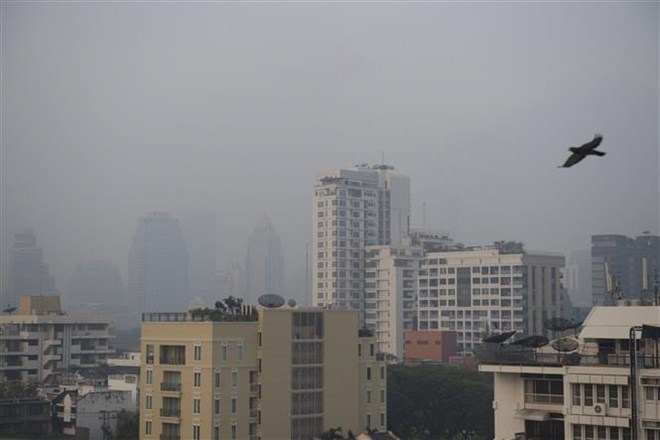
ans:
(492, 289)
(577, 278)
(631, 261)
(288, 373)
(39, 342)
(264, 265)
(30, 275)
(391, 294)
(158, 265)
(199, 231)
(352, 209)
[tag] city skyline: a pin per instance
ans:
(449, 93)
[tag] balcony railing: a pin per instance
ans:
(169, 386)
(254, 387)
(253, 413)
(170, 437)
(170, 412)
(552, 399)
(505, 356)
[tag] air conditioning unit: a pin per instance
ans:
(600, 409)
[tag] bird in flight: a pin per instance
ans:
(588, 149)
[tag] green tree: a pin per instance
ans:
(435, 401)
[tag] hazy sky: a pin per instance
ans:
(114, 109)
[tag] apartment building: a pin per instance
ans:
(608, 388)
(352, 209)
(289, 373)
(40, 342)
(391, 294)
(489, 289)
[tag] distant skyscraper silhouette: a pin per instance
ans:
(30, 275)
(199, 230)
(158, 265)
(264, 266)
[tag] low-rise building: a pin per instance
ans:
(429, 346)
(40, 341)
(289, 373)
(24, 416)
(606, 388)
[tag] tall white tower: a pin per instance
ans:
(352, 209)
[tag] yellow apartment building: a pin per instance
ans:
(287, 373)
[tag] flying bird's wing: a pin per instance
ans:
(575, 158)
(595, 142)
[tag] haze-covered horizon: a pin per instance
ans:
(114, 110)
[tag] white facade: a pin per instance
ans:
(391, 295)
(475, 291)
(37, 347)
(353, 209)
(587, 394)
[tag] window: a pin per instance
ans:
(233, 432)
(368, 373)
(368, 396)
(600, 393)
(147, 427)
(234, 378)
(217, 379)
(382, 419)
(614, 396)
(371, 349)
(216, 406)
(197, 379)
(234, 405)
(382, 372)
(239, 352)
(382, 398)
(216, 433)
(149, 402)
(150, 354)
(576, 394)
(625, 396)
(173, 354)
(224, 351)
(368, 421)
(197, 353)
(588, 395)
(196, 432)
(197, 403)
(150, 377)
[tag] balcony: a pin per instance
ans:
(170, 412)
(170, 386)
(254, 388)
(253, 413)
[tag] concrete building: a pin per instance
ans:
(30, 275)
(429, 346)
(158, 265)
(590, 393)
(288, 373)
(352, 209)
(264, 265)
(391, 294)
(199, 231)
(490, 289)
(40, 342)
(24, 417)
(83, 415)
(632, 261)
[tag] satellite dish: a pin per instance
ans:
(565, 345)
(9, 309)
(499, 337)
(533, 341)
(292, 303)
(270, 301)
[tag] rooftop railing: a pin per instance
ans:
(532, 358)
